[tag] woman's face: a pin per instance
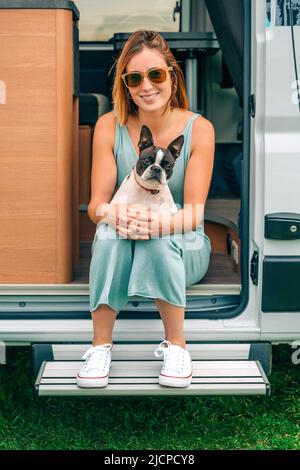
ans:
(149, 96)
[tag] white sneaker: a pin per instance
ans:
(95, 371)
(177, 367)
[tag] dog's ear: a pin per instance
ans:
(146, 139)
(175, 146)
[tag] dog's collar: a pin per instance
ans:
(152, 191)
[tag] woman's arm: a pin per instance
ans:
(197, 178)
(104, 169)
(103, 182)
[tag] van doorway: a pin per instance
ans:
(211, 42)
(207, 39)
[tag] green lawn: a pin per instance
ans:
(28, 422)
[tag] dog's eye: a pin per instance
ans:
(167, 166)
(146, 160)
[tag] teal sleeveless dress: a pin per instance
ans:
(156, 268)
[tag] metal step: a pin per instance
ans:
(218, 369)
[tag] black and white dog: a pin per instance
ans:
(147, 184)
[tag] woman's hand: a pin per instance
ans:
(133, 223)
(122, 220)
(136, 222)
(140, 223)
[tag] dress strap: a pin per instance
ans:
(188, 138)
(117, 139)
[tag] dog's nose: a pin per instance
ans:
(156, 169)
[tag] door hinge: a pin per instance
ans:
(177, 9)
(254, 268)
(252, 105)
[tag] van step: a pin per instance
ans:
(218, 369)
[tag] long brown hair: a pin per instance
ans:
(123, 104)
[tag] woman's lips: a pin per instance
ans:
(149, 97)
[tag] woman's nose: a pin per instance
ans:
(146, 84)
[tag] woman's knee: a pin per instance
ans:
(161, 246)
(197, 263)
(108, 240)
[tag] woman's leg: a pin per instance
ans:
(195, 249)
(168, 266)
(173, 320)
(158, 271)
(103, 323)
(108, 280)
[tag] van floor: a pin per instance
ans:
(222, 269)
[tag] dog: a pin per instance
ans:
(147, 184)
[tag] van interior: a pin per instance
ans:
(206, 38)
(211, 58)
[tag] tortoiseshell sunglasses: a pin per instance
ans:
(155, 75)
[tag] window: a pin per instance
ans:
(268, 12)
(100, 19)
(283, 13)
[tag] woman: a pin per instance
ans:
(179, 255)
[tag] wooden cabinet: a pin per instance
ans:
(38, 141)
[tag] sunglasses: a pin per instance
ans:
(155, 75)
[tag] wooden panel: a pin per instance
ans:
(64, 87)
(217, 234)
(24, 23)
(36, 146)
(85, 157)
(87, 228)
(221, 238)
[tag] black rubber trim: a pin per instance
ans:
(280, 284)
(40, 353)
(55, 5)
(123, 315)
(185, 41)
(262, 352)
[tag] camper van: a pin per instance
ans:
(241, 63)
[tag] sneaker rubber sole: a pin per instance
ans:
(174, 381)
(92, 382)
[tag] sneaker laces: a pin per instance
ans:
(95, 356)
(174, 360)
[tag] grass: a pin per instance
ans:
(152, 423)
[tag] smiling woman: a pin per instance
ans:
(150, 119)
(151, 76)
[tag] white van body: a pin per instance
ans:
(258, 310)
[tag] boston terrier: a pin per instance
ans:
(147, 184)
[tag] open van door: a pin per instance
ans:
(275, 168)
